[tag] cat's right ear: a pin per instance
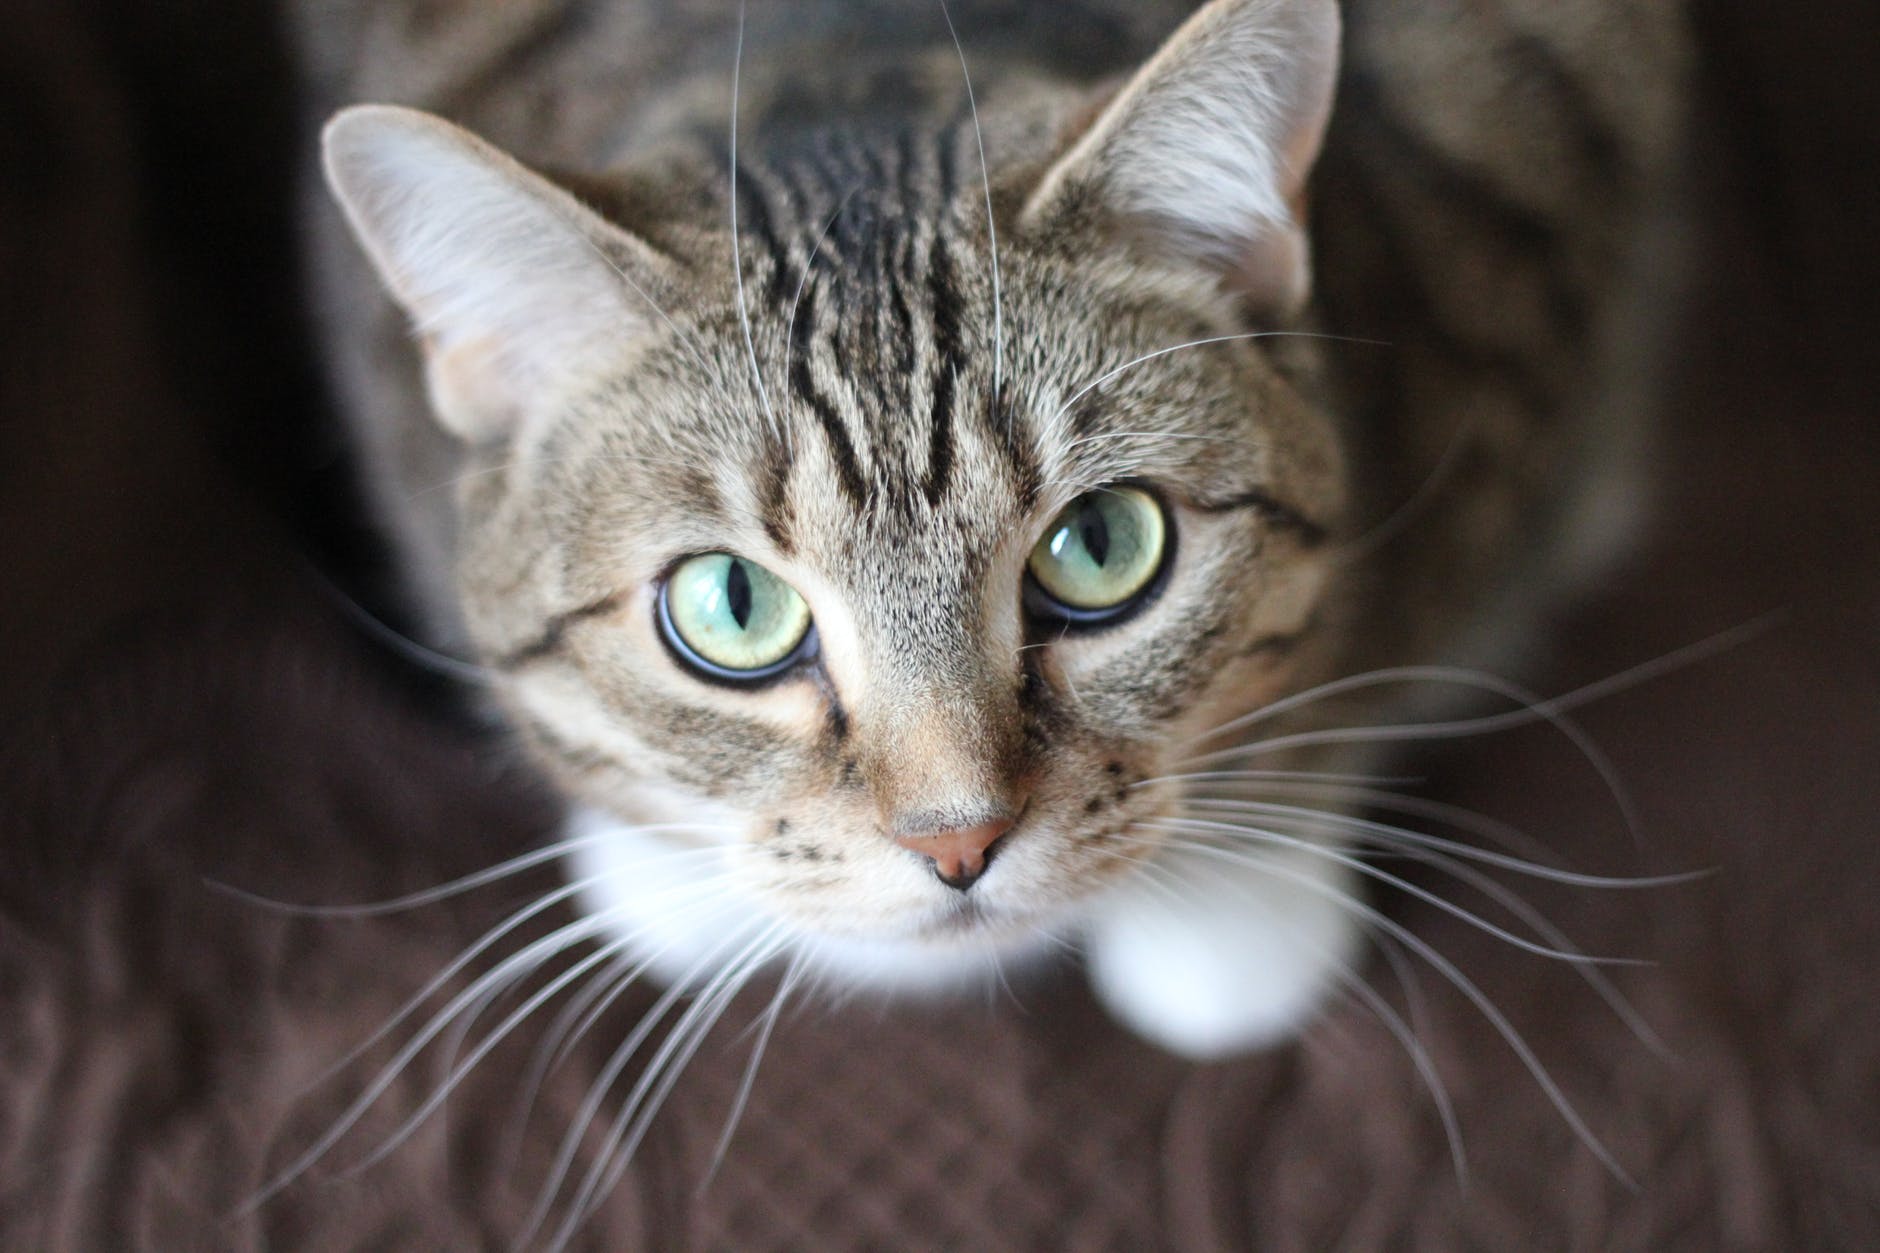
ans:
(514, 286)
(1202, 157)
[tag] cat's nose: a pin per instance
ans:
(959, 855)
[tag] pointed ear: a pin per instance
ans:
(513, 285)
(1203, 155)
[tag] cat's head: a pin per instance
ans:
(905, 560)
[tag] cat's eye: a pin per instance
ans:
(731, 619)
(1099, 558)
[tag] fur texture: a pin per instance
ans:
(874, 329)
(182, 704)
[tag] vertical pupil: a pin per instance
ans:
(1095, 533)
(738, 594)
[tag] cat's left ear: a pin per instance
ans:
(516, 288)
(1202, 157)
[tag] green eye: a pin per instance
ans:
(730, 618)
(1100, 555)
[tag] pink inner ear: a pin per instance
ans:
(468, 389)
(1273, 276)
(1206, 151)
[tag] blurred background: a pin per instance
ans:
(178, 698)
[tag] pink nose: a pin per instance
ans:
(960, 854)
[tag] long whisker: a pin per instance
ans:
(1540, 710)
(737, 250)
(1330, 778)
(530, 957)
(1461, 982)
(437, 981)
(802, 280)
(1517, 905)
(710, 1011)
(1533, 710)
(662, 1072)
(1259, 783)
(1413, 1047)
(1407, 1035)
(1452, 864)
(792, 975)
(562, 1036)
(411, 650)
(1105, 377)
(470, 882)
(1199, 825)
(560, 1041)
(992, 230)
(457, 1075)
(1399, 836)
(1416, 1009)
(603, 1083)
(1398, 520)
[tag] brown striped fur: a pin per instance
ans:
(1396, 474)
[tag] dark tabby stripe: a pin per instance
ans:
(1305, 530)
(803, 384)
(1598, 147)
(554, 632)
(943, 294)
(1469, 194)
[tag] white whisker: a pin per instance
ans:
(563, 1035)
(1461, 982)
(791, 976)
(603, 1083)
(802, 280)
(470, 882)
(662, 1073)
(1451, 862)
(1133, 362)
(458, 963)
(1534, 709)
(992, 230)
(411, 650)
(1192, 825)
(496, 1036)
(529, 958)
(1399, 837)
(1406, 1035)
(737, 251)
(1393, 524)
(1517, 905)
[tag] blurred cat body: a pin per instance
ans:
(1358, 311)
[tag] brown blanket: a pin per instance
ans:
(182, 705)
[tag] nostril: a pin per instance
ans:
(964, 876)
(959, 856)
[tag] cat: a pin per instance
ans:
(934, 486)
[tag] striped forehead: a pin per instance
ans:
(879, 277)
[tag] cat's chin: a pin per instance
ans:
(1209, 959)
(684, 925)
(1217, 958)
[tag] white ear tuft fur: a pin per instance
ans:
(1205, 153)
(512, 283)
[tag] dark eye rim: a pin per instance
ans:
(806, 649)
(1046, 608)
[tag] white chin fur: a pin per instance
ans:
(678, 926)
(1209, 959)
(1216, 958)
(654, 894)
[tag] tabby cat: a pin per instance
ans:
(934, 486)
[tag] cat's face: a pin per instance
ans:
(903, 562)
(939, 684)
